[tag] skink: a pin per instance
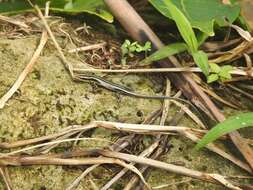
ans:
(124, 90)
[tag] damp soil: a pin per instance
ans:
(50, 100)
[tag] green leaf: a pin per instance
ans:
(202, 14)
(244, 24)
(147, 46)
(139, 48)
(171, 49)
(225, 72)
(165, 52)
(124, 50)
(132, 48)
(127, 43)
(183, 25)
(214, 68)
(201, 37)
(231, 124)
(95, 7)
(201, 60)
(213, 77)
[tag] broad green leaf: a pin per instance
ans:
(213, 77)
(165, 52)
(201, 59)
(229, 125)
(214, 68)
(96, 7)
(183, 26)
(202, 14)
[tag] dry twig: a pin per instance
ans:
(62, 56)
(121, 144)
(13, 21)
(89, 47)
(237, 71)
(6, 178)
(24, 73)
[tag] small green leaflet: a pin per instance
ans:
(219, 72)
(212, 78)
(224, 73)
(164, 52)
(233, 123)
(215, 68)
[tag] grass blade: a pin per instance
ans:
(201, 59)
(165, 52)
(233, 123)
(183, 26)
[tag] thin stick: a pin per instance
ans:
(248, 95)
(181, 130)
(93, 185)
(141, 32)
(45, 138)
(24, 73)
(13, 21)
(115, 158)
(145, 153)
(76, 182)
(166, 103)
(42, 160)
(89, 47)
(134, 180)
(212, 147)
(171, 184)
(2, 155)
(5, 178)
(46, 149)
(190, 114)
(136, 128)
(161, 139)
(151, 70)
(62, 56)
(20, 143)
(217, 97)
(162, 165)
(123, 142)
(143, 128)
(236, 71)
